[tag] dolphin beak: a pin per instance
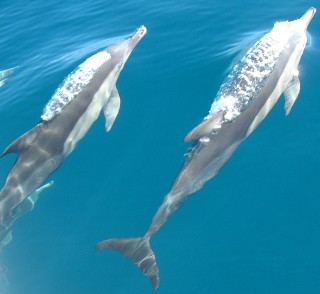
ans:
(136, 37)
(307, 17)
(127, 46)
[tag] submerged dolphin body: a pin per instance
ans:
(267, 69)
(5, 73)
(24, 207)
(67, 117)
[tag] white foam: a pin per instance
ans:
(74, 84)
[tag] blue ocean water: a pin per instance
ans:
(252, 229)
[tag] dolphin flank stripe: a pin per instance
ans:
(255, 83)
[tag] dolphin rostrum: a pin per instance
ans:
(255, 83)
(67, 117)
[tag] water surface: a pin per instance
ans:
(253, 229)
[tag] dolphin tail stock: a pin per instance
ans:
(139, 251)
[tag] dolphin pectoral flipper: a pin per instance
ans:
(139, 251)
(23, 142)
(291, 93)
(111, 108)
(206, 127)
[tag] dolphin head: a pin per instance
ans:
(304, 21)
(300, 25)
(113, 56)
(122, 50)
(293, 33)
(298, 29)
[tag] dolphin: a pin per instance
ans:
(24, 207)
(5, 73)
(255, 83)
(67, 117)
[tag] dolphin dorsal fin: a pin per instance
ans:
(111, 108)
(291, 93)
(23, 142)
(206, 127)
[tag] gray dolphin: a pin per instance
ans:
(255, 83)
(67, 117)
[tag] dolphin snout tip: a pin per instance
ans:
(311, 12)
(307, 17)
(140, 32)
(313, 9)
(136, 36)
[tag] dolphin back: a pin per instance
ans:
(139, 251)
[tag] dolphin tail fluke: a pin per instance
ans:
(139, 251)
